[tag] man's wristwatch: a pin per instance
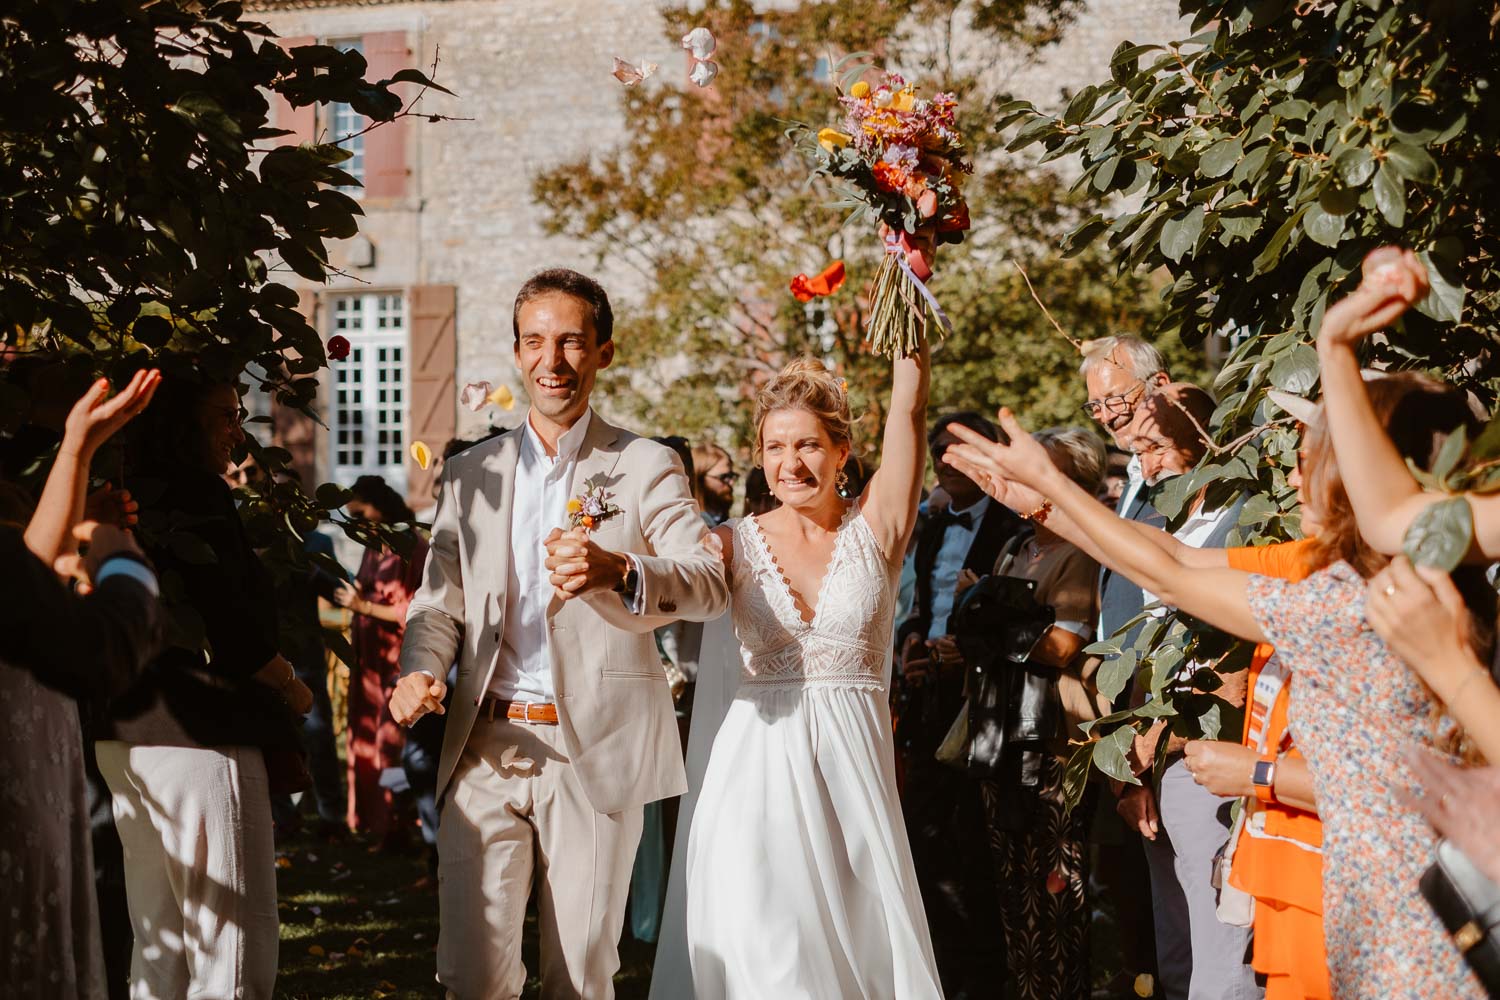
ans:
(630, 581)
(1264, 779)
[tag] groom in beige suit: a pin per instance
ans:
(562, 726)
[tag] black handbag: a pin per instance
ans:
(1013, 706)
(1468, 904)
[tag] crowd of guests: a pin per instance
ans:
(1282, 859)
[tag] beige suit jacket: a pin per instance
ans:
(614, 707)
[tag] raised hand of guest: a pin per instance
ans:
(1393, 280)
(90, 423)
(95, 418)
(1020, 459)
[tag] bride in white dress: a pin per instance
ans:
(797, 872)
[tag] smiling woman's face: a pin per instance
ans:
(801, 460)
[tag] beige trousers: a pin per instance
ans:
(200, 869)
(515, 815)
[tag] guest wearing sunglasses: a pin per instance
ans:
(715, 481)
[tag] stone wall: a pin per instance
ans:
(535, 80)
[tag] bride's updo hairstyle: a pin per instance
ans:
(806, 385)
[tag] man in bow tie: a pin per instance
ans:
(944, 814)
(556, 549)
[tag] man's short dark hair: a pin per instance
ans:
(569, 282)
(968, 418)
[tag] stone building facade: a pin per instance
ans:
(451, 229)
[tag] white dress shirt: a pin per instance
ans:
(957, 540)
(542, 487)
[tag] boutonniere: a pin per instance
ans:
(592, 507)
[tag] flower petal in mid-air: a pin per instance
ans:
(700, 43)
(631, 74)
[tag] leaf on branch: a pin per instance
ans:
(1412, 162)
(1390, 194)
(1444, 301)
(1441, 534)
(1109, 755)
(1355, 167)
(418, 77)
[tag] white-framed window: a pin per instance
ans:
(371, 389)
(343, 123)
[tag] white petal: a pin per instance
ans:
(473, 395)
(629, 74)
(704, 72)
(700, 42)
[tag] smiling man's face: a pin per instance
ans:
(559, 356)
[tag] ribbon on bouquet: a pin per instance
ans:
(894, 248)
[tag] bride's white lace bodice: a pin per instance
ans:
(848, 642)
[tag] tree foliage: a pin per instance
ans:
(149, 215)
(712, 204)
(1259, 160)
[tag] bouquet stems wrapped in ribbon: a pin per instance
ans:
(901, 159)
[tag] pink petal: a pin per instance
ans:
(473, 395)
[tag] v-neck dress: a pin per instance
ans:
(799, 876)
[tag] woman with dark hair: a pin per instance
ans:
(1354, 706)
(378, 597)
(183, 749)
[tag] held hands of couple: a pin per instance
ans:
(579, 566)
(416, 695)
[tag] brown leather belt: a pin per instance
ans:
(536, 713)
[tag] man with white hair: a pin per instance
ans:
(1198, 958)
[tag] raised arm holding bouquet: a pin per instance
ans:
(901, 157)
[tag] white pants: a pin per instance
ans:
(200, 869)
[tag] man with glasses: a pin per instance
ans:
(1119, 373)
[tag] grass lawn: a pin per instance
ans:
(357, 925)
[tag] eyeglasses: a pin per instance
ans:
(727, 478)
(230, 415)
(1118, 405)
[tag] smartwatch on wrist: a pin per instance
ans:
(1264, 779)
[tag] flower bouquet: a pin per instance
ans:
(901, 159)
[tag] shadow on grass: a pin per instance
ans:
(358, 925)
